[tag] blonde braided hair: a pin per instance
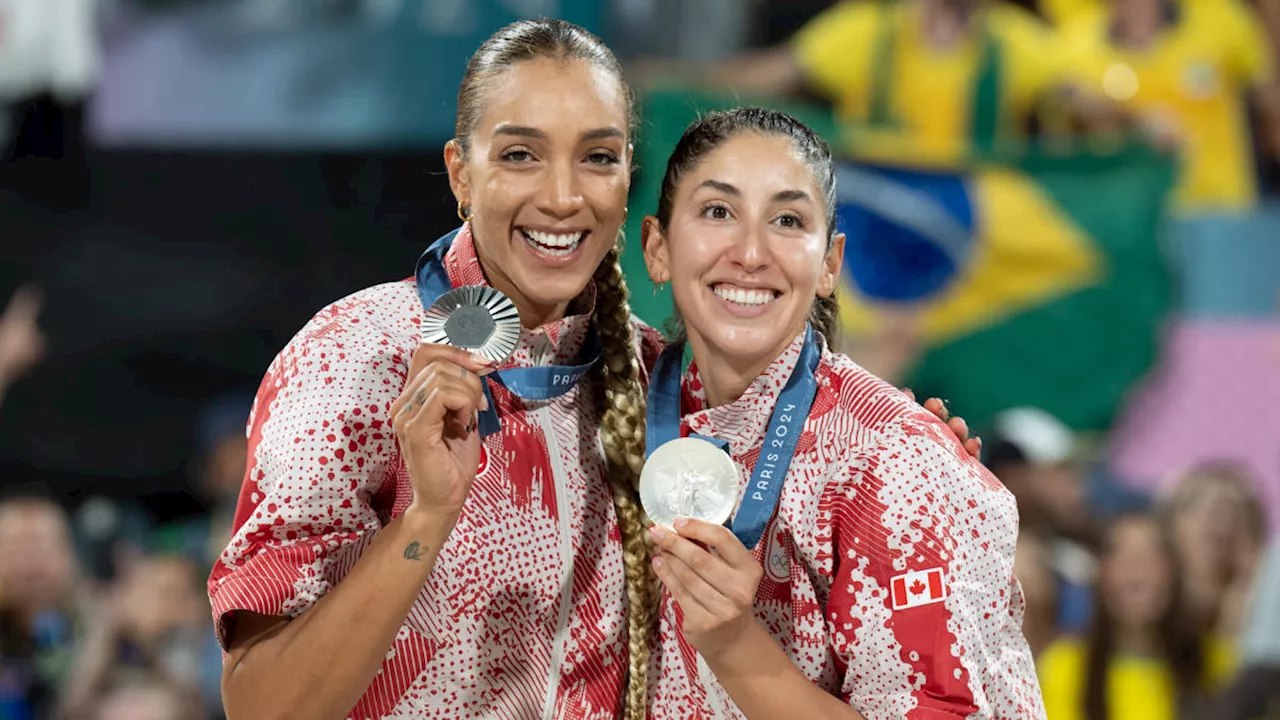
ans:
(622, 433)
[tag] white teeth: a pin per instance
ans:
(743, 296)
(552, 241)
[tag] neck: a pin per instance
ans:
(724, 376)
(1136, 641)
(1138, 21)
(948, 23)
(533, 315)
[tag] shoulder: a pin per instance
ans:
(381, 311)
(351, 347)
(1019, 28)
(860, 401)
(824, 36)
(1062, 660)
(874, 428)
(1086, 27)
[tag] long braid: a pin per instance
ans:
(622, 432)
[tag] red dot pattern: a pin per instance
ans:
(878, 487)
(325, 474)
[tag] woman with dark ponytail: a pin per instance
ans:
(867, 570)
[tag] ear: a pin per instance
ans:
(455, 162)
(831, 265)
(654, 242)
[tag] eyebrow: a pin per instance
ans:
(535, 133)
(780, 196)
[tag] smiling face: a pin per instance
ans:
(1136, 574)
(746, 248)
(545, 174)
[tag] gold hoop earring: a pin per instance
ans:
(464, 212)
(626, 213)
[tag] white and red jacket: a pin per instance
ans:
(524, 613)
(888, 568)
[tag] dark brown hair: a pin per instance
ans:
(1180, 644)
(521, 41)
(615, 380)
(715, 128)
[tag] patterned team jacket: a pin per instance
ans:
(524, 612)
(888, 568)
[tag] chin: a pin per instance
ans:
(745, 343)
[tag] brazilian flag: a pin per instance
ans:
(1035, 280)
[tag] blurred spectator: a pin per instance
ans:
(142, 696)
(933, 79)
(1256, 692)
(1140, 659)
(1036, 456)
(154, 621)
(221, 455)
(38, 605)
(1184, 69)
(22, 344)
(1219, 528)
(1033, 566)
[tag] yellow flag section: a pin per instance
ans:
(1025, 251)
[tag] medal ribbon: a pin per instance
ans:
(533, 383)
(662, 425)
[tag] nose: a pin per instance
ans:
(562, 192)
(751, 251)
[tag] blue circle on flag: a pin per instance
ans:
(908, 233)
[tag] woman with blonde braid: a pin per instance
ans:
(868, 567)
(416, 536)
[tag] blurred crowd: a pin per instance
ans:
(1138, 605)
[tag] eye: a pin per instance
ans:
(716, 211)
(516, 155)
(790, 220)
(602, 157)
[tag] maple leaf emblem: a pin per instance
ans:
(917, 587)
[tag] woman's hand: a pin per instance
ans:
(435, 420)
(714, 579)
(972, 445)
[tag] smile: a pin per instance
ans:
(554, 244)
(745, 296)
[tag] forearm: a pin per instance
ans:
(320, 664)
(765, 684)
(772, 71)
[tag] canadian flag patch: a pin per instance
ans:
(916, 588)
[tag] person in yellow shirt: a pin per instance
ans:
(1184, 67)
(928, 81)
(1140, 660)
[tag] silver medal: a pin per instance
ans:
(691, 478)
(474, 317)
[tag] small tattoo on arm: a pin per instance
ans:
(415, 551)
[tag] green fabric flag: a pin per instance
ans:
(1054, 300)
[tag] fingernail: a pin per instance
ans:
(680, 523)
(480, 358)
(657, 533)
(657, 562)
